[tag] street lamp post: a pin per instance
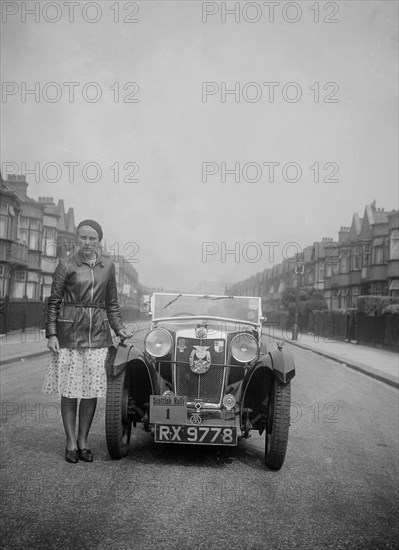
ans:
(299, 269)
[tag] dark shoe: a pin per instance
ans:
(72, 456)
(86, 455)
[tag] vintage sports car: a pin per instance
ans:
(202, 378)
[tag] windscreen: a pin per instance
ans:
(243, 308)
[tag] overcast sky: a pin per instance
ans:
(348, 118)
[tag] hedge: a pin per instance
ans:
(375, 305)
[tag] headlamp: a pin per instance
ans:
(158, 342)
(244, 348)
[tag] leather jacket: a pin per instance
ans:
(83, 303)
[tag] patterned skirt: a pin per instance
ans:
(77, 373)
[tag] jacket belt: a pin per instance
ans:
(100, 305)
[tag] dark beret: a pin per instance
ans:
(96, 226)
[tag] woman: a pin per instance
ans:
(82, 305)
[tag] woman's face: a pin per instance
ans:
(88, 240)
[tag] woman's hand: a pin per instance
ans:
(53, 344)
(124, 335)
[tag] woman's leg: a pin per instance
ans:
(87, 408)
(68, 412)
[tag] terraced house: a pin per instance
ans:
(34, 234)
(364, 260)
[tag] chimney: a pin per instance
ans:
(18, 183)
(343, 234)
(46, 200)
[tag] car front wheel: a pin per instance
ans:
(276, 437)
(117, 422)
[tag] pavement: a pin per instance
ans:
(375, 362)
(380, 364)
(20, 346)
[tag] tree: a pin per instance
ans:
(289, 296)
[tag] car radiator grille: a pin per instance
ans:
(206, 386)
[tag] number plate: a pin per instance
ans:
(203, 435)
(168, 409)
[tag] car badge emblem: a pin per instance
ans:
(229, 401)
(195, 419)
(201, 332)
(181, 345)
(218, 346)
(200, 359)
(253, 303)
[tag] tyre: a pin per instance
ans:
(117, 422)
(276, 437)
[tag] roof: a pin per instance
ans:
(319, 249)
(61, 212)
(51, 210)
(67, 220)
(356, 227)
(7, 190)
(307, 254)
(374, 216)
(23, 199)
(70, 220)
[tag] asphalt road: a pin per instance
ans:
(337, 488)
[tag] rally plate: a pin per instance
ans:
(199, 435)
(168, 409)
